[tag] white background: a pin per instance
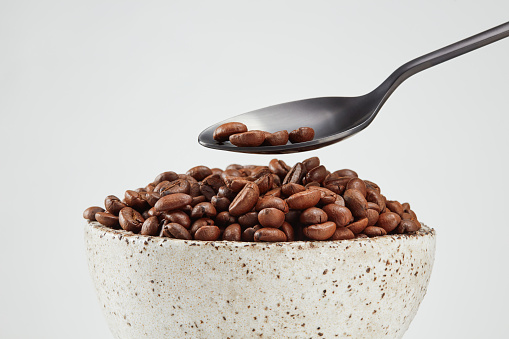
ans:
(97, 97)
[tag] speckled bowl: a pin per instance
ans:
(151, 287)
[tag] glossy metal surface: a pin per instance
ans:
(337, 118)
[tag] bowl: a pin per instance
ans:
(152, 287)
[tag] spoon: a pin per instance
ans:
(337, 118)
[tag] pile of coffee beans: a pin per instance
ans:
(238, 135)
(258, 203)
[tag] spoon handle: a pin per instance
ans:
(441, 55)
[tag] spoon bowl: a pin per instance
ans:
(337, 118)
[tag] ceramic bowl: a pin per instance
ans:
(151, 287)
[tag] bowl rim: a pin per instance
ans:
(423, 232)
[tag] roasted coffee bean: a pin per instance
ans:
(372, 185)
(178, 231)
(224, 131)
(279, 167)
(230, 173)
(265, 183)
(302, 134)
(177, 186)
(270, 201)
(194, 189)
(336, 188)
(373, 206)
(316, 174)
(303, 200)
(150, 188)
(134, 199)
(145, 215)
(113, 204)
(165, 176)
(90, 212)
(130, 220)
(313, 215)
(271, 217)
(372, 216)
(395, 207)
(226, 192)
(248, 220)
(207, 233)
(361, 235)
(288, 231)
(295, 174)
(107, 219)
(375, 197)
(311, 163)
(276, 138)
(374, 231)
(207, 191)
(311, 184)
(214, 181)
(199, 223)
(248, 234)
(291, 189)
(407, 226)
(197, 200)
(276, 192)
(327, 196)
(224, 219)
(259, 172)
(356, 203)
(340, 215)
(388, 221)
(188, 178)
(358, 226)
(236, 185)
(320, 231)
(406, 207)
(203, 210)
(345, 173)
(199, 172)
(232, 233)
(269, 235)
(248, 139)
(220, 203)
(150, 226)
(245, 200)
(173, 202)
(292, 216)
(342, 233)
(216, 171)
(357, 184)
(153, 213)
(178, 217)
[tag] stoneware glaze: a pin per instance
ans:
(151, 287)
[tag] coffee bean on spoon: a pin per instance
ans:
(248, 139)
(223, 132)
(276, 138)
(301, 134)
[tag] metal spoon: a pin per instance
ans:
(337, 118)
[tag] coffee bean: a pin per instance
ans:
(173, 202)
(226, 192)
(295, 174)
(199, 172)
(216, 171)
(178, 217)
(276, 138)
(313, 215)
(345, 173)
(276, 192)
(245, 200)
(224, 219)
(90, 212)
(270, 201)
(236, 185)
(134, 199)
(200, 223)
(248, 234)
(207, 233)
(357, 184)
(301, 134)
(372, 185)
(107, 219)
(406, 207)
(327, 196)
(288, 231)
(316, 174)
(279, 167)
(303, 200)
(177, 186)
(232, 233)
(388, 221)
(293, 216)
(374, 231)
(178, 231)
(269, 235)
(202, 210)
(220, 203)
(248, 139)
(265, 183)
(214, 180)
(291, 189)
(150, 227)
(356, 203)
(375, 197)
(113, 204)
(165, 176)
(130, 220)
(335, 187)
(358, 226)
(271, 217)
(407, 226)
(372, 216)
(395, 207)
(249, 219)
(224, 131)
(340, 215)
(342, 233)
(311, 163)
(320, 231)
(197, 200)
